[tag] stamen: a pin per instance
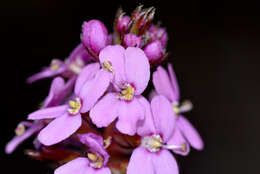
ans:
(127, 93)
(54, 65)
(152, 143)
(186, 106)
(76, 65)
(107, 65)
(75, 106)
(96, 160)
(107, 142)
(183, 147)
(176, 109)
(20, 129)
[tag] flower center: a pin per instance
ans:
(185, 106)
(127, 93)
(76, 65)
(108, 66)
(96, 160)
(54, 65)
(20, 129)
(176, 108)
(152, 143)
(74, 106)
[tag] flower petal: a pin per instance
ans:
(95, 143)
(94, 89)
(11, 145)
(163, 115)
(103, 170)
(190, 133)
(51, 112)
(77, 166)
(178, 140)
(140, 162)
(174, 82)
(114, 55)
(162, 84)
(129, 114)
(146, 126)
(59, 129)
(86, 74)
(164, 162)
(105, 111)
(137, 68)
(80, 52)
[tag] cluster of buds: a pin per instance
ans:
(95, 118)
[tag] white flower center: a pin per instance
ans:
(127, 92)
(54, 65)
(96, 160)
(74, 106)
(152, 143)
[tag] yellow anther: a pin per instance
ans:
(176, 109)
(75, 106)
(107, 142)
(20, 129)
(152, 143)
(127, 93)
(184, 147)
(107, 65)
(92, 157)
(54, 65)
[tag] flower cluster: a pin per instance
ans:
(96, 118)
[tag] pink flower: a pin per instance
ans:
(94, 163)
(184, 133)
(153, 155)
(67, 118)
(73, 65)
(131, 72)
(22, 134)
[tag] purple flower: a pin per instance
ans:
(131, 72)
(94, 36)
(158, 33)
(22, 134)
(153, 156)
(122, 24)
(94, 163)
(132, 40)
(184, 132)
(67, 118)
(72, 65)
(58, 91)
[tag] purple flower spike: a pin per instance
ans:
(132, 40)
(184, 134)
(94, 163)
(157, 128)
(22, 134)
(56, 67)
(154, 50)
(59, 89)
(94, 36)
(131, 72)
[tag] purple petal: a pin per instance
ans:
(137, 69)
(174, 82)
(59, 129)
(17, 140)
(105, 111)
(58, 91)
(163, 84)
(114, 55)
(146, 126)
(51, 112)
(93, 89)
(163, 116)
(81, 53)
(94, 143)
(86, 74)
(77, 166)
(103, 170)
(164, 162)
(129, 114)
(154, 50)
(141, 162)
(152, 94)
(178, 140)
(47, 72)
(190, 133)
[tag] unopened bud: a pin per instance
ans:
(132, 40)
(154, 50)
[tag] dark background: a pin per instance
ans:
(214, 47)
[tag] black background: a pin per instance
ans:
(214, 47)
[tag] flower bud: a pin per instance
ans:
(132, 40)
(154, 50)
(158, 33)
(123, 23)
(94, 36)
